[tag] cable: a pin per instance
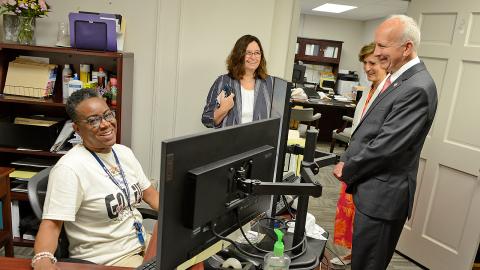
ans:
(304, 239)
(287, 206)
(335, 254)
(234, 244)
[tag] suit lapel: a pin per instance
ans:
(397, 83)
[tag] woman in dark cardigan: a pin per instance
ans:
(245, 93)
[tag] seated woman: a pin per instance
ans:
(245, 93)
(345, 207)
(93, 191)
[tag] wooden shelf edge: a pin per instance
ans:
(64, 50)
(17, 241)
(31, 100)
(32, 153)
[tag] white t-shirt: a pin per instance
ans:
(97, 220)
(248, 97)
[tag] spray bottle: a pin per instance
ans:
(277, 260)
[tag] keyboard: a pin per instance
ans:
(151, 265)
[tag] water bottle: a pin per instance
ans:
(66, 77)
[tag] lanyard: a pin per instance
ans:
(126, 190)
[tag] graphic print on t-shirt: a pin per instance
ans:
(116, 204)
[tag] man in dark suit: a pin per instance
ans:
(381, 163)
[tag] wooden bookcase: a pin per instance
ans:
(118, 63)
(322, 52)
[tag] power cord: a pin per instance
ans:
(335, 254)
(304, 240)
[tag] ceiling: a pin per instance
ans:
(367, 9)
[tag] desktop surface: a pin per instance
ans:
(7, 263)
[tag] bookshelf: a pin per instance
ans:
(118, 63)
(319, 52)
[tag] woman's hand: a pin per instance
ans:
(226, 104)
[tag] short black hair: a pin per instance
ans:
(76, 98)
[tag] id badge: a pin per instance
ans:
(138, 228)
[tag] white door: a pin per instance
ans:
(444, 231)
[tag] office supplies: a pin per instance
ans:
(29, 78)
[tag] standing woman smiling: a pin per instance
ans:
(245, 93)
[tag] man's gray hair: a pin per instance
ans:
(411, 31)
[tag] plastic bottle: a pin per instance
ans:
(74, 84)
(101, 78)
(277, 260)
(113, 90)
(66, 77)
(85, 73)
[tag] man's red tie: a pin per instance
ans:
(386, 84)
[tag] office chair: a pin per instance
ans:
(305, 115)
(37, 190)
(342, 134)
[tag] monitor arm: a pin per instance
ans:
(307, 186)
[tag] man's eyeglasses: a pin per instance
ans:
(95, 121)
(255, 53)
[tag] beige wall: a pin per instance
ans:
(180, 48)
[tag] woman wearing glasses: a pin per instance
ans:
(244, 94)
(94, 191)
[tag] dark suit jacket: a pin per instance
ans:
(381, 161)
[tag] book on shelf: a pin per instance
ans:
(22, 174)
(22, 187)
(33, 162)
(34, 122)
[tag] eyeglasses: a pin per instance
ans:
(96, 120)
(255, 53)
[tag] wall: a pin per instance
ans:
(200, 37)
(180, 48)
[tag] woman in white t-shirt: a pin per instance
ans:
(245, 93)
(93, 191)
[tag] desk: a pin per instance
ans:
(6, 232)
(24, 264)
(332, 112)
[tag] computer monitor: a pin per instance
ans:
(298, 75)
(196, 187)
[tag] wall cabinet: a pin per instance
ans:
(118, 63)
(319, 52)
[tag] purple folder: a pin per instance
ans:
(93, 31)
